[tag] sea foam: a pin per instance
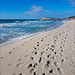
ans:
(17, 30)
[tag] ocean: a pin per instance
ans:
(14, 30)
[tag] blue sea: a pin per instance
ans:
(14, 30)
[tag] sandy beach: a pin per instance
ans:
(48, 53)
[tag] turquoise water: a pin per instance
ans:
(13, 30)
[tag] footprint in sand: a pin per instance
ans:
(9, 64)
(62, 60)
(61, 42)
(42, 39)
(42, 52)
(60, 54)
(48, 55)
(31, 70)
(15, 48)
(1, 57)
(52, 46)
(61, 47)
(55, 63)
(51, 71)
(19, 65)
(10, 52)
(58, 69)
(26, 55)
(31, 58)
(40, 59)
(46, 49)
(55, 52)
(46, 36)
(34, 52)
(35, 65)
(64, 41)
(19, 59)
(30, 65)
(35, 48)
(48, 63)
(65, 37)
(52, 50)
(53, 57)
(37, 43)
(61, 50)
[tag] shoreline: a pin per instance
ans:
(31, 35)
(51, 52)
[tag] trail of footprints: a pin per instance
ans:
(48, 62)
(48, 54)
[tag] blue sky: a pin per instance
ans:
(35, 9)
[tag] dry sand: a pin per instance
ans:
(48, 53)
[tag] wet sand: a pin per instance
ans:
(48, 53)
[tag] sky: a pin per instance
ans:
(36, 9)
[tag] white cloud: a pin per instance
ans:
(36, 10)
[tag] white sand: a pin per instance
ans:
(48, 53)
